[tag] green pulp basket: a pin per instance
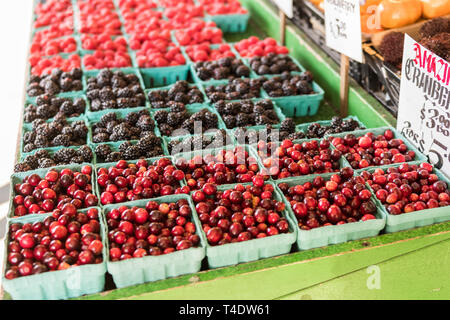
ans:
(152, 268)
(255, 249)
(230, 23)
(61, 284)
(324, 236)
(404, 221)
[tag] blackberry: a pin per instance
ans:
(132, 152)
(230, 121)
(114, 157)
(210, 120)
(102, 150)
(85, 152)
(120, 132)
(165, 129)
(46, 163)
(242, 119)
(336, 121)
(145, 123)
(110, 116)
(173, 119)
(110, 126)
(176, 107)
(96, 105)
(61, 140)
(288, 125)
(100, 137)
(22, 167)
(67, 108)
(31, 160)
(148, 142)
(64, 155)
(124, 146)
(29, 147)
(304, 87)
(260, 120)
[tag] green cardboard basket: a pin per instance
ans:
(255, 249)
(324, 236)
(167, 88)
(420, 157)
(230, 23)
(60, 284)
(152, 268)
(304, 126)
(19, 176)
(299, 106)
(404, 221)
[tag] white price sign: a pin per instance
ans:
(286, 6)
(424, 111)
(343, 27)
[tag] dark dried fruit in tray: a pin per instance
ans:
(179, 92)
(235, 90)
(179, 121)
(47, 107)
(200, 142)
(63, 240)
(54, 83)
(219, 167)
(338, 200)
(337, 125)
(247, 113)
(64, 189)
(289, 85)
(57, 133)
(273, 64)
(240, 213)
(289, 159)
(148, 146)
(131, 127)
(114, 90)
(408, 188)
(373, 150)
(143, 180)
(225, 68)
(43, 159)
(159, 228)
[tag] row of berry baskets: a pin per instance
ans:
(89, 278)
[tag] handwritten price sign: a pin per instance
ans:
(424, 107)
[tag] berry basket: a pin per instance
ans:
(107, 165)
(299, 106)
(61, 284)
(152, 268)
(27, 127)
(404, 221)
(328, 235)
(342, 161)
(162, 76)
(95, 117)
(304, 126)
(204, 84)
(129, 70)
(377, 131)
(191, 109)
(19, 176)
(167, 88)
(254, 74)
(230, 23)
(251, 250)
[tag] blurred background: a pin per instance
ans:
(15, 21)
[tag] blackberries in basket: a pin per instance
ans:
(182, 123)
(217, 139)
(114, 90)
(269, 133)
(235, 90)
(56, 82)
(64, 156)
(180, 92)
(47, 107)
(273, 64)
(289, 85)
(225, 68)
(337, 125)
(247, 113)
(133, 126)
(148, 146)
(57, 133)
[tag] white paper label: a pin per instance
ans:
(423, 112)
(343, 27)
(286, 6)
